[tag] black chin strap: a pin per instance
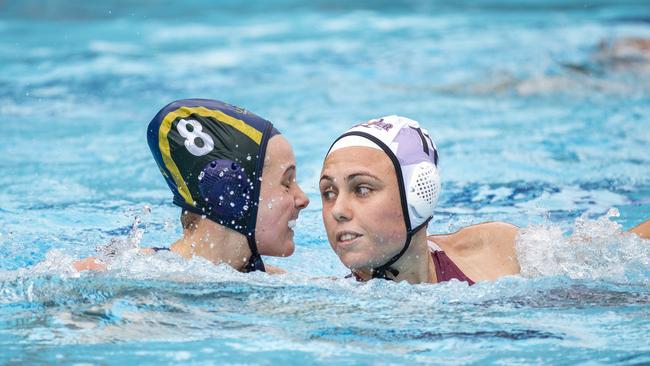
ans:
(255, 262)
(383, 270)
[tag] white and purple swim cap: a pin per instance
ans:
(415, 158)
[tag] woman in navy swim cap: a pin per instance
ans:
(234, 177)
(379, 186)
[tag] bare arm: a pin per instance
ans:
(89, 264)
(274, 270)
(94, 264)
(642, 230)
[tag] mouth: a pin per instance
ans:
(347, 238)
(292, 223)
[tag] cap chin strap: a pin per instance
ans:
(255, 262)
(383, 270)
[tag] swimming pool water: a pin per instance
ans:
(539, 120)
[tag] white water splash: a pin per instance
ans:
(115, 246)
(56, 263)
(165, 265)
(596, 249)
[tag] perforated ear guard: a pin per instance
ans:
(415, 159)
(225, 187)
(422, 192)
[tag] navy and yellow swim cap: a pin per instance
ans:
(211, 154)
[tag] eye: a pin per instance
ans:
(328, 194)
(286, 183)
(362, 191)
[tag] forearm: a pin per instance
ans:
(274, 270)
(642, 230)
(89, 264)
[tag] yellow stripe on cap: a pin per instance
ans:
(183, 112)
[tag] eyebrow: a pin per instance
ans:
(326, 177)
(361, 174)
(352, 176)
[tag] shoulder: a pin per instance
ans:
(494, 235)
(642, 230)
(496, 229)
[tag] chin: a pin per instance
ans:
(353, 261)
(284, 250)
(289, 248)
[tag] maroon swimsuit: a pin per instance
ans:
(446, 269)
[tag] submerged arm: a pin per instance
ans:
(94, 264)
(274, 270)
(89, 264)
(642, 230)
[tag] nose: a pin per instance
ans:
(301, 199)
(341, 209)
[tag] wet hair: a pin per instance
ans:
(189, 220)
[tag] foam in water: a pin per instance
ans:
(118, 245)
(596, 249)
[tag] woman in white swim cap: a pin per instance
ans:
(379, 186)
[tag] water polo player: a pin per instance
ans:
(221, 162)
(379, 186)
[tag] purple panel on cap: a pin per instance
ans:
(410, 149)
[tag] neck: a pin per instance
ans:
(416, 265)
(215, 243)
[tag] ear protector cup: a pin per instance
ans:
(211, 155)
(422, 192)
(415, 158)
(226, 188)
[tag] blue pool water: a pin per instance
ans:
(540, 115)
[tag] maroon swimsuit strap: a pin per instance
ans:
(446, 269)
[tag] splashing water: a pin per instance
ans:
(596, 249)
(116, 246)
(533, 74)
